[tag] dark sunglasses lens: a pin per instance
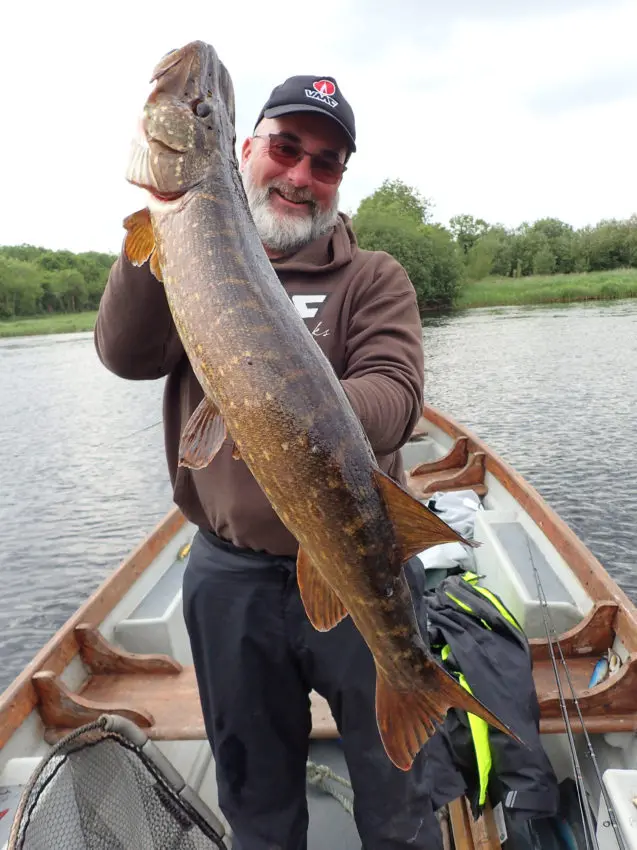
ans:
(289, 153)
(326, 170)
(285, 153)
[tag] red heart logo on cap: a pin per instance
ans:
(324, 87)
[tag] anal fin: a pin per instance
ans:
(202, 437)
(416, 527)
(322, 606)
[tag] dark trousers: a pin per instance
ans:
(256, 658)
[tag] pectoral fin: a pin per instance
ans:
(322, 606)
(140, 238)
(202, 437)
(417, 528)
(139, 245)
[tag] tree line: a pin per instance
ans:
(548, 246)
(439, 260)
(395, 218)
(36, 281)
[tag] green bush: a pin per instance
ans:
(426, 252)
(35, 280)
(395, 219)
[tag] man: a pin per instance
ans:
(255, 653)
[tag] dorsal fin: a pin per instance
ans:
(416, 527)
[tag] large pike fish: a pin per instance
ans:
(269, 387)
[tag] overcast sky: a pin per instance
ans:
(509, 110)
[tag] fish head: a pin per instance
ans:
(187, 128)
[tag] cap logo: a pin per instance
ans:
(324, 87)
(322, 90)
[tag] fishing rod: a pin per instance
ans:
(127, 436)
(591, 753)
(589, 832)
(553, 638)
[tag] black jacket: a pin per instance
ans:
(492, 652)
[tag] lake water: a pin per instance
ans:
(552, 389)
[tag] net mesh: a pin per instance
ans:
(97, 790)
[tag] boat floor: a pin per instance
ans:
(330, 825)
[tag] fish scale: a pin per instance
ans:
(269, 387)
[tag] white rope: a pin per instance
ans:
(320, 775)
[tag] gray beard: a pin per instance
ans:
(282, 233)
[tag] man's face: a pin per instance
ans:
(289, 205)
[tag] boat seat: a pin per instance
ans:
(157, 623)
(459, 469)
(506, 559)
(154, 691)
(420, 450)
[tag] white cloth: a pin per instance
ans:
(457, 509)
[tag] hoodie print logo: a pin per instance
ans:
(318, 330)
(308, 306)
(323, 90)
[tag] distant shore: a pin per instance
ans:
(55, 323)
(490, 292)
(549, 289)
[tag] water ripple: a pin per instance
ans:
(554, 392)
(78, 492)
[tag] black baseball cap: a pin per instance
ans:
(312, 94)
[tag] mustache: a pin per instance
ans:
(291, 193)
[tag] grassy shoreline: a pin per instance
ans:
(490, 292)
(549, 289)
(56, 323)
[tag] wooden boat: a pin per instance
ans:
(125, 651)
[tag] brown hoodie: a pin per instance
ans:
(361, 309)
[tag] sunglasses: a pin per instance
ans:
(285, 151)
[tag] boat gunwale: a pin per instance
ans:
(595, 579)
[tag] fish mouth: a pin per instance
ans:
(168, 61)
(190, 74)
(162, 197)
(188, 117)
(184, 57)
(140, 171)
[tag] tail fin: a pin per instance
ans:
(407, 719)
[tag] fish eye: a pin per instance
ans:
(202, 109)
